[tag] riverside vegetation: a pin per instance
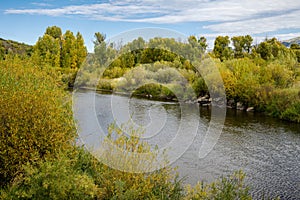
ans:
(39, 158)
(263, 76)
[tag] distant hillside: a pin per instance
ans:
(288, 43)
(13, 47)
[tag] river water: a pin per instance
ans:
(266, 149)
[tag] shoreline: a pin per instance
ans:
(206, 102)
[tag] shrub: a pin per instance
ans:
(115, 184)
(78, 175)
(226, 188)
(105, 84)
(35, 118)
(292, 113)
(52, 179)
(283, 104)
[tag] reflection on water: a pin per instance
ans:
(266, 149)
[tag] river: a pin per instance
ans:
(266, 149)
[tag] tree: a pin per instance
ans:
(100, 37)
(248, 43)
(54, 31)
(68, 54)
(2, 52)
(81, 51)
(198, 42)
(35, 119)
(61, 51)
(221, 48)
(296, 48)
(238, 46)
(47, 51)
(203, 43)
(192, 41)
(271, 48)
(242, 45)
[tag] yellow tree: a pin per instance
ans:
(47, 51)
(81, 51)
(68, 53)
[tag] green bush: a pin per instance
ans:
(105, 84)
(52, 179)
(226, 188)
(292, 113)
(283, 104)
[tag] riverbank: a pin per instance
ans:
(283, 104)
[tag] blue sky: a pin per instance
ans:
(25, 21)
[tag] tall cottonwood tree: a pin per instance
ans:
(221, 48)
(81, 51)
(60, 50)
(68, 53)
(47, 51)
(272, 49)
(242, 45)
(54, 31)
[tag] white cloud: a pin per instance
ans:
(261, 25)
(228, 16)
(287, 36)
(41, 4)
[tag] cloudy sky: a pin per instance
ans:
(25, 21)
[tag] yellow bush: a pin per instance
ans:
(35, 121)
(116, 184)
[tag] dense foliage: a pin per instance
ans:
(35, 118)
(65, 52)
(39, 158)
(253, 75)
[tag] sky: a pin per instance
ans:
(26, 21)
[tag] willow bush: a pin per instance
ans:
(58, 179)
(79, 175)
(226, 188)
(35, 118)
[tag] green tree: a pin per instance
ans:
(2, 52)
(296, 49)
(99, 38)
(54, 31)
(242, 45)
(104, 53)
(81, 51)
(192, 40)
(248, 43)
(68, 53)
(65, 52)
(221, 48)
(57, 50)
(200, 43)
(203, 43)
(270, 49)
(137, 44)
